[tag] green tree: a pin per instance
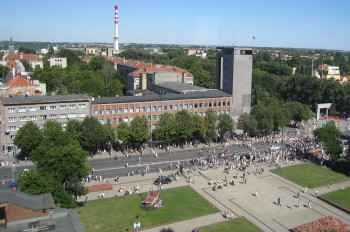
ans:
(72, 57)
(210, 126)
(27, 66)
(184, 126)
(28, 138)
(199, 129)
(281, 116)
(26, 50)
(74, 129)
(61, 160)
(139, 132)
(264, 118)
(225, 125)
(3, 71)
(109, 136)
(329, 136)
(92, 135)
(298, 111)
(34, 182)
(123, 133)
(96, 63)
(166, 129)
(248, 124)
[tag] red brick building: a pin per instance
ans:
(124, 109)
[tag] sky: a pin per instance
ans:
(274, 23)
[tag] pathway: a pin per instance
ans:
(189, 225)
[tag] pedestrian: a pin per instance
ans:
(309, 204)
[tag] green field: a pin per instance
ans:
(118, 214)
(340, 198)
(310, 175)
(235, 225)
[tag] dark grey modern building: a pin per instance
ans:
(234, 76)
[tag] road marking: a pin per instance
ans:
(142, 165)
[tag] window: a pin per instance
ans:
(224, 103)
(42, 107)
(12, 128)
(52, 107)
(196, 106)
(72, 106)
(63, 107)
(11, 110)
(22, 110)
(210, 104)
(12, 119)
(82, 106)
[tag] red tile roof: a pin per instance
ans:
(142, 67)
(18, 81)
(327, 223)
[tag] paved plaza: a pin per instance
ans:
(256, 200)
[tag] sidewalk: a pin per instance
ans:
(331, 188)
(148, 151)
(189, 225)
(144, 184)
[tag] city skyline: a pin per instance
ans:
(272, 23)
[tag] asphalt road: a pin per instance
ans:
(111, 167)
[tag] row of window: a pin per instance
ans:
(148, 117)
(162, 108)
(49, 107)
(44, 117)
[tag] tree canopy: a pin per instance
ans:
(28, 138)
(98, 78)
(329, 136)
(60, 163)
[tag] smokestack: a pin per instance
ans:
(116, 30)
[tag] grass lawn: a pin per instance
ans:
(340, 198)
(235, 225)
(310, 175)
(117, 214)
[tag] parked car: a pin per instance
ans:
(162, 180)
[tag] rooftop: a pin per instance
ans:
(18, 81)
(39, 202)
(62, 219)
(130, 99)
(142, 67)
(23, 100)
(181, 88)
